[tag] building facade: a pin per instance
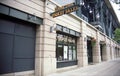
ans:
(33, 43)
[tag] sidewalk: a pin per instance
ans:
(108, 68)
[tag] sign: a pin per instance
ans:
(66, 9)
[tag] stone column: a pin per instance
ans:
(38, 51)
(106, 55)
(45, 61)
(96, 50)
(112, 50)
(115, 52)
(45, 52)
(119, 52)
(82, 47)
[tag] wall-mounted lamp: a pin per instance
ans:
(85, 39)
(53, 28)
(50, 2)
(98, 26)
(97, 16)
(90, 11)
(47, 2)
(32, 17)
(82, 3)
(102, 42)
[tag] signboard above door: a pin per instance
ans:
(66, 9)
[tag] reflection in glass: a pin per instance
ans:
(66, 48)
(65, 52)
(74, 53)
(69, 39)
(65, 39)
(70, 52)
(59, 38)
(59, 53)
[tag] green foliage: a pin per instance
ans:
(117, 35)
(93, 41)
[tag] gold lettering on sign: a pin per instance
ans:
(57, 14)
(66, 9)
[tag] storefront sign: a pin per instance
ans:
(64, 10)
(69, 31)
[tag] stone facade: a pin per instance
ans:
(45, 51)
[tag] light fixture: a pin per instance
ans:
(53, 28)
(88, 6)
(48, 2)
(98, 26)
(82, 3)
(32, 17)
(85, 39)
(90, 11)
(98, 16)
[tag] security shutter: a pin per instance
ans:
(17, 46)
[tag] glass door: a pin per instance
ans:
(65, 53)
(59, 52)
(74, 53)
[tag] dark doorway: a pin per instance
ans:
(89, 51)
(101, 51)
(17, 45)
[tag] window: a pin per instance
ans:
(66, 48)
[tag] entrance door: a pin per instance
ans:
(17, 46)
(89, 50)
(101, 51)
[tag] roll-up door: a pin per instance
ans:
(17, 46)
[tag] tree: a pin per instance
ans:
(117, 35)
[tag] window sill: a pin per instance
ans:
(67, 61)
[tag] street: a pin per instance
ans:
(109, 68)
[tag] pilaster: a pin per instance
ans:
(82, 48)
(45, 61)
(107, 50)
(96, 50)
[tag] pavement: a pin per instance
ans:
(107, 68)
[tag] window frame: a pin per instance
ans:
(66, 62)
